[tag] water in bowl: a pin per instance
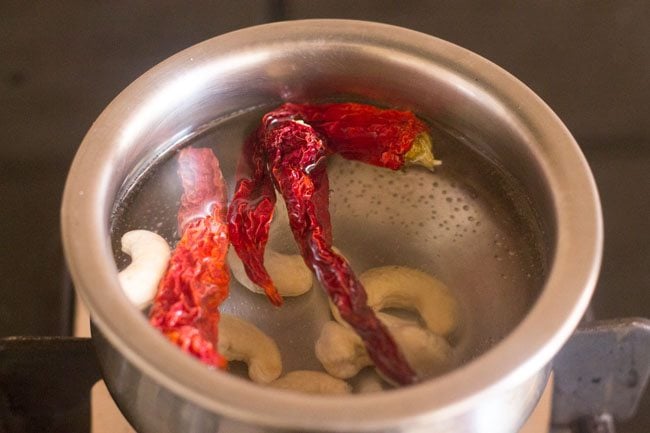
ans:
(468, 223)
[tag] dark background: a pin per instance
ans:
(62, 62)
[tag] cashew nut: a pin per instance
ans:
(342, 353)
(313, 382)
(149, 257)
(240, 340)
(427, 353)
(289, 273)
(368, 380)
(410, 289)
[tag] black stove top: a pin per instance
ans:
(45, 384)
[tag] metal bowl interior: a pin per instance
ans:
(524, 277)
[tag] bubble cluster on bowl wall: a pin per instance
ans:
(410, 204)
(422, 219)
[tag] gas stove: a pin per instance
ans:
(53, 384)
(106, 418)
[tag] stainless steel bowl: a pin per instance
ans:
(493, 389)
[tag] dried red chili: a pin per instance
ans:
(291, 146)
(186, 306)
(384, 137)
(250, 213)
(296, 160)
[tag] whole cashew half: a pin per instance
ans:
(240, 340)
(368, 380)
(288, 271)
(342, 353)
(149, 257)
(341, 350)
(410, 289)
(313, 382)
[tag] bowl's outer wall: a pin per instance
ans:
(152, 408)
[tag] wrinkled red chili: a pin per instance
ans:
(186, 306)
(250, 213)
(383, 137)
(289, 150)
